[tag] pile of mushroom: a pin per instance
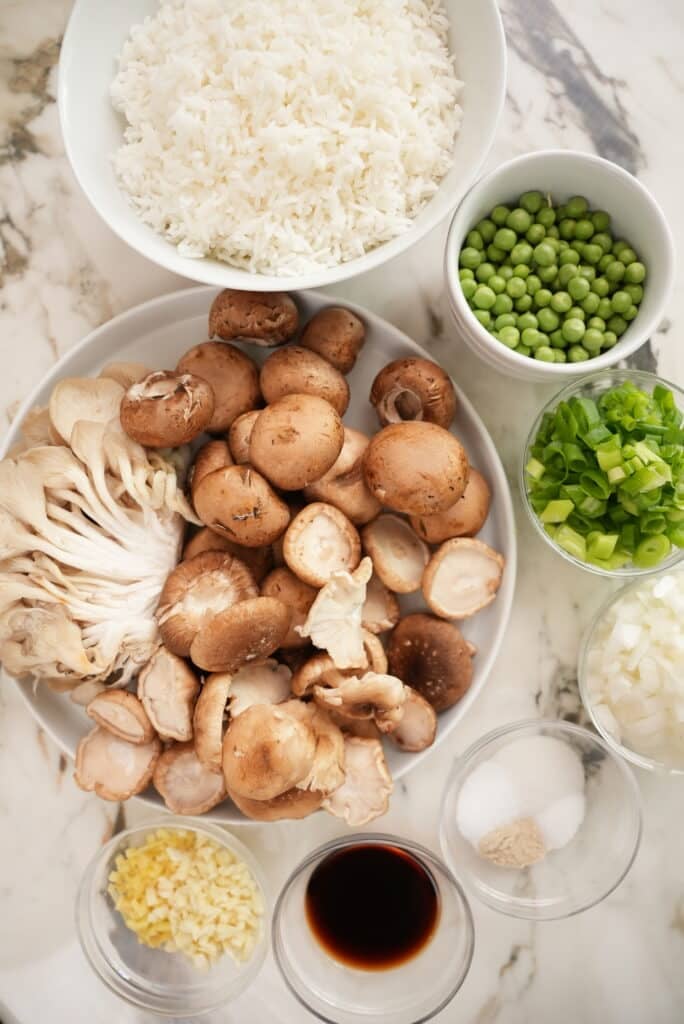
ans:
(279, 660)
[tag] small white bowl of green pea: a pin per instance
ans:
(558, 263)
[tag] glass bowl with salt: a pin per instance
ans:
(540, 819)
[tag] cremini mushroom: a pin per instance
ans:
(415, 467)
(121, 713)
(334, 620)
(247, 631)
(380, 697)
(413, 389)
(258, 560)
(165, 410)
(337, 334)
(211, 456)
(209, 718)
(297, 595)
(380, 610)
(295, 440)
(418, 726)
(198, 590)
(264, 682)
(344, 485)
(296, 370)
(240, 434)
(167, 687)
(185, 784)
(125, 373)
(433, 657)
(233, 376)
(267, 751)
(114, 768)
(263, 318)
(321, 541)
(399, 555)
(82, 398)
(464, 519)
(462, 577)
(292, 804)
(367, 786)
(239, 503)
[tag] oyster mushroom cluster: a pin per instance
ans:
(281, 661)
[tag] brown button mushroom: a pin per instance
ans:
(399, 556)
(240, 434)
(196, 591)
(296, 440)
(267, 751)
(416, 468)
(337, 334)
(167, 409)
(433, 657)
(121, 713)
(264, 682)
(297, 595)
(167, 687)
(296, 370)
(464, 519)
(344, 485)
(366, 790)
(248, 630)
(380, 697)
(320, 541)
(413, 389)
(112, 767)
(185, 784)
(264, 318)
(233, 377)
(380, 610)
(238, 503)
(258, 560)
(462, 577)
(418, 726)
(209, 718)
(211, 456)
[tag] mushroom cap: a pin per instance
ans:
(185, 784)
(112, 767)
(267, 751)
(418, 726)
(376, 696)
(264, 318)
(240, 504)
(399, 555)
(208, 720)
(240, 434)
(295, 440)
(121, 713)
(166, 410)
(196, 591)
(83, 398)
(211, 456)
(320, 541)
(264, 682)
(413, 389)
(124, 373)
(344, 485)
(311, 673)
(167, 687)
(296, 594)
(297, 370)
(334, 619)
(366, 790)
(293, 803)
(417, 468)
(433, 657)
(380, 610)
(464, 519)
(257, 560)
(233, 376)
(327, 770)
(247, 631)
(462, 577)
(320, 670)
(337, 335)
(363, 727)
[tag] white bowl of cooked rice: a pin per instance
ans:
(268, 144)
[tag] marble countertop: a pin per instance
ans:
(605, 76)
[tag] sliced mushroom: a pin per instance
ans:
(295, 440)
(257, 560)
(209, 718)
(321, 541)
(293, 803)
(185, 784)
(198, 590)
(233, 376)
(418, 726)
(211, 456)
(399, 555)
(121, 713)
(240, 434)
(167, 687)
(267, 751)
(334, 620)
(337, 334)
(464, 519)
(413, 389)
(366, 790)
(344, 485)
(416, 468)
(462, 577)
(297, 595)
(125, 374)
(263, 318)
(247, 631)
(165, 410)
(83, 398)
(238, 503)
(112, 767)
(433, 657)
(296, 370)
(380, 610)
(380, 697)
(267, 682)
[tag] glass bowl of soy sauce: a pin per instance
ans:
(373, 927)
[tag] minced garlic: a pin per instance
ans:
(183, 892)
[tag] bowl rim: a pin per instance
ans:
(482, 339)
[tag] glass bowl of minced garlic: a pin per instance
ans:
(172, 916)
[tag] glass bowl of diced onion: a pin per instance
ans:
(172, 917)
(609, 496)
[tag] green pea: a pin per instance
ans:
(566, 228)
(510, 336)
(524, 303)
(604, 240)
(468, 288)
(628, 256)
(560, 212)
(617, 324)
(533, 284)
(521, 253)
(553, 232)
(592, 253)
(484, 316)
(577, 354)
(497, 284)
(553, 242)
(532, 337)
(605, 261)
(484, 297)
(620, 301)
(562, 245)
(578, 246)
(590, 305)
(519, 220)
(546, 216)
(573, 330)
(609, 339)
(578, 287)
(545, 354)
(503, 304)
(548, 274)
(567, 272)
(495, 254)
(588, 273)
(548, 320)
(487, 229)
(597, 322)
(523, 350)
(635, 272)
(584, 229)
(521, 270)
(592, 340)
(506, 273)
(542, 297)
(499, 215)
(601, 220)
(505, 239)
(515, 287)
(470, 257)
(568, 256)
(618, 245)
(616, 271)
(561, 302)
(535, 234)
(635, 291)
(556, 339)
(531, 201)
(504, 320)
(605, 309)
(527, 320)
(466, 274)
(600, 285)
(577, 312)
(559, 355)
(475, 240)
(576, 207)
(485, 271)
(630, 313)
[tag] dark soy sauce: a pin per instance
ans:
(372, 907)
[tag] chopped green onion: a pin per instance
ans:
(556, 511)
(571, 541)
(535, 469)
(601, 545)
(651, 551)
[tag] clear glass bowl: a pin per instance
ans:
(412, 992)
(581, 873)
(163, 983)
(592, 386)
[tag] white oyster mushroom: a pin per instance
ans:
(367, 786)
(334, 620)
(266, 682)
(82, 398)
(375, 696)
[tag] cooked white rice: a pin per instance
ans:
(285, 135)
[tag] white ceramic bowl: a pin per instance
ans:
(635, 214)
(93, 131)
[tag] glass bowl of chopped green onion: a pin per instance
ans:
(603, 473)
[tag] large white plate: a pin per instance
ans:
(156, 333)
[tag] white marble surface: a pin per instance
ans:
(604, 76)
